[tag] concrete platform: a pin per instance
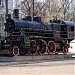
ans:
(37, 57)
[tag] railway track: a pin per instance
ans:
(36, 57)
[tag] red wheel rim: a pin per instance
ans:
(65, 49)
(33, 47)
(42, 48)
(51, 47)
(15, 51)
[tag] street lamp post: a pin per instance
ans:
(33, 11)
(6, 2)
(6, 15)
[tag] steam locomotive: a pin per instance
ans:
(35, 37)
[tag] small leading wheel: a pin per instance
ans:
(51, 47)
(42, 47)
(65, 49)
(33, 47)
(15, 50)
(23, 50)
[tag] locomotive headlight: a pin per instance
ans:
(4, 41)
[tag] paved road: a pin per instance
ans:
(45, 67)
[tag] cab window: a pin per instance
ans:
(72, 28)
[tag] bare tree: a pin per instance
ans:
(72, 14)
(53, 8)
(26, 7)
(49, 8)
(65, 7)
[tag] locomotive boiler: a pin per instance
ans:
(35, 37)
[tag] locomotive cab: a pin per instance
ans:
(64, 31)
(71, 30)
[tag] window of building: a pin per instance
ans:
(1, 23)
(0, 2)
(0, 18)
(0, 26)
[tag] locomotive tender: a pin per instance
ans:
(35, 37)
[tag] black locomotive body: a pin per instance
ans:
(36, 37)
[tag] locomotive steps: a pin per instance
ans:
(35, 58)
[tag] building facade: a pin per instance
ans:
(2, 15)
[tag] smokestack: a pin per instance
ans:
(16, 13)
